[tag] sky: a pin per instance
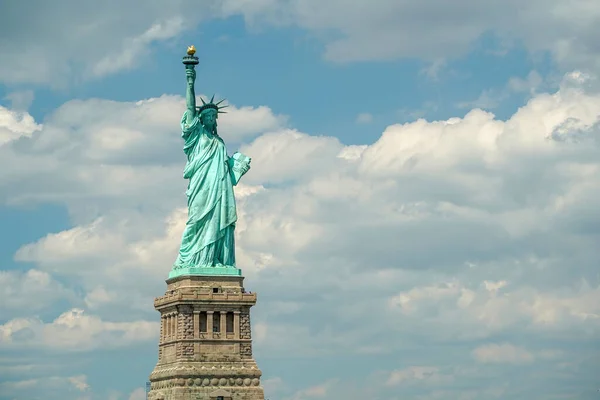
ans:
(420, 220)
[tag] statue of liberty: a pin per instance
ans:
(207, 245)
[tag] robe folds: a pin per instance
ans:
(208, 238)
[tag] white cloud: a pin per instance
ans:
(244, 122)
(494, 286)
(289, 155)
(420, 374)
(99, 296)
(483, 311)
(74, 331)
(98, 153)
(16, 124)
(502, 353)
(412, 181)
(79, 382)
(352, 152)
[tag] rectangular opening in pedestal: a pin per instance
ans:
(229, 323)
(203, 321)
(217, 322)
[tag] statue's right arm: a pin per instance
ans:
(190, 96)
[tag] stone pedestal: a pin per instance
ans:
(205, 347)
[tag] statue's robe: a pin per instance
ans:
(208, 238)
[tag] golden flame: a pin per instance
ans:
(191, 50)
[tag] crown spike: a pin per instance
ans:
(206, 105)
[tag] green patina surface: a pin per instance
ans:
(218, 271)
(207, 244)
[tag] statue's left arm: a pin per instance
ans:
(238, 165)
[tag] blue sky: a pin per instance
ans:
(419, 221)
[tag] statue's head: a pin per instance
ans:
(209, 112)
(208, 118)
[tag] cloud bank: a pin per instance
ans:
(472, 232)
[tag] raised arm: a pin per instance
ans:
(190, 95)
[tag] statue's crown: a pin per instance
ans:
(211, 106)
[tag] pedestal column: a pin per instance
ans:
(209, 323)
(236, 324)
(223, 324)
(196, 324)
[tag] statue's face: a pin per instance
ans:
(209, 118)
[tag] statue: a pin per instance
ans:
(207, 245)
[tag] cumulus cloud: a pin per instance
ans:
(290, 155)
(244, 122)
(74, 331)
(485, 312)
(99, 146)
(469, 231)
(15, 124)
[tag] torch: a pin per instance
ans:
(190, 61)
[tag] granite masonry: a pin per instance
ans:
(205, 347)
